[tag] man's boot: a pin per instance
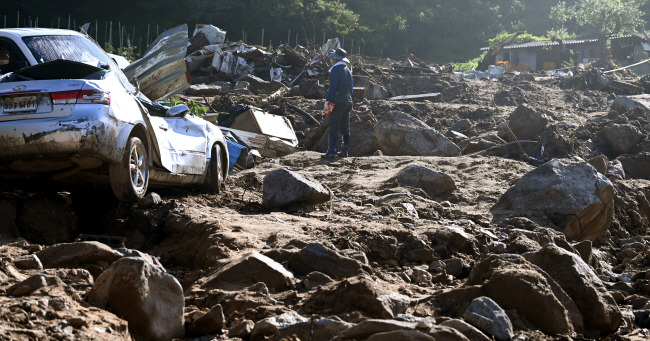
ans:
(331, 148)
(345, 147)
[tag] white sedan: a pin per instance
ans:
(69, 115)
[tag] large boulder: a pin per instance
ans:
(601, 314)
(571, 196)
(356, 294)
(146, 296)
(636, 166)
(525, 123)
(283, 188)
(622, 137)
(402, 134)
(514, 283)
(317, 257)
(250, 269)
(432, 182)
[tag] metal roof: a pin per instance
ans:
(545, 43)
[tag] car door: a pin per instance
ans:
(186, 141)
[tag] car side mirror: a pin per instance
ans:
(177, 110)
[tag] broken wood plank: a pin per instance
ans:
(434, 96)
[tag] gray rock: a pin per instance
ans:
(315, 279)
(317, 257)
(577, 279)
(271, 325)
(251, 269)
(623, 104)
(148, 298)
(615, 171)
(211, 322)
(28, 262)
(283, 188)
(572, 196)
(135, 253)
(622, 137)
(317, 329)
(203, 90)
(258, 85)
(150, 200)
(600, 163)
(466, 329)
(369, 327)
(486, 315)
(241, 85)
(242, 329)
(525, 123)
(32, 284)
(356, 294)
(374, 91)
(78, 255)
(401, 335)
(402, 134)
(636, 166)
(454, 266)
(432, 182)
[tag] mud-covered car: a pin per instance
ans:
(68, 115)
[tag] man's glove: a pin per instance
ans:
(329, 106)
(325, 105)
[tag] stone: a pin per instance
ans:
(33, 283)
(211, 322)
(317, 257)
(241, 85)
(401, 335)
(283, 188)
(471, 332)
(515, 283)
(373, 91)
(636, 166)
(402, 134)
(28, 262)
(147, 297)
(356, 294)
(203, 90)
(258, 85)
(572, 196)
(600, 163)
(454, 266)
(369, 327)
(152, 199)
(525, 123)
(585, 250)
(622, 137)
(577, 279)
(251, 269)
(271, 325)
(242, 329)
(486, 315)
(78, 255)
(315, 279)
(136, 253)
(47, 220)
(446, 333)
(432, 182)
(317, 329)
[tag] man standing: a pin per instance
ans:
(339, 96)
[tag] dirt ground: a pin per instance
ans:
(192, 233)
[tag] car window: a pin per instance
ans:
(75, 48)
(10, 60)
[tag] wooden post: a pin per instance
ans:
(296, 41)
(96, 31)
(156, 31)
(105, 33)
(18, 19)
(36, 25)
(110, 36)
(262, 37)
(133, 35)
(148, 26)
(352, 47)
(69, 18)
(119, 31)
(289, 37)
(58, 22)
(243, 37)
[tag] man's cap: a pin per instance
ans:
(339, 54)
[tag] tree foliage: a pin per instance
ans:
(434, 30)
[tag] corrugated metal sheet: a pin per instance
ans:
(161, 71)
(544, 43)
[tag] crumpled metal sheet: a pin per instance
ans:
(162, 70)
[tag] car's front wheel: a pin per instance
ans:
(130, 177)
(216, 170)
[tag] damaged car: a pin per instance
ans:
(69, 115)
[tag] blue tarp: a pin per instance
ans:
(234, 150)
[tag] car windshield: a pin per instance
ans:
(68, 47)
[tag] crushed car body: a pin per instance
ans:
(69, 115)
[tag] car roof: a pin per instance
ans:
(33, 31)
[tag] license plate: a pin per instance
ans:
(20, 104)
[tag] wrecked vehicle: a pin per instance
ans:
(69, 115)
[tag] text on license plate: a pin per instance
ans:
(21, 103)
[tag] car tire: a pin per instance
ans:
(130, 177)
(215, 182)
